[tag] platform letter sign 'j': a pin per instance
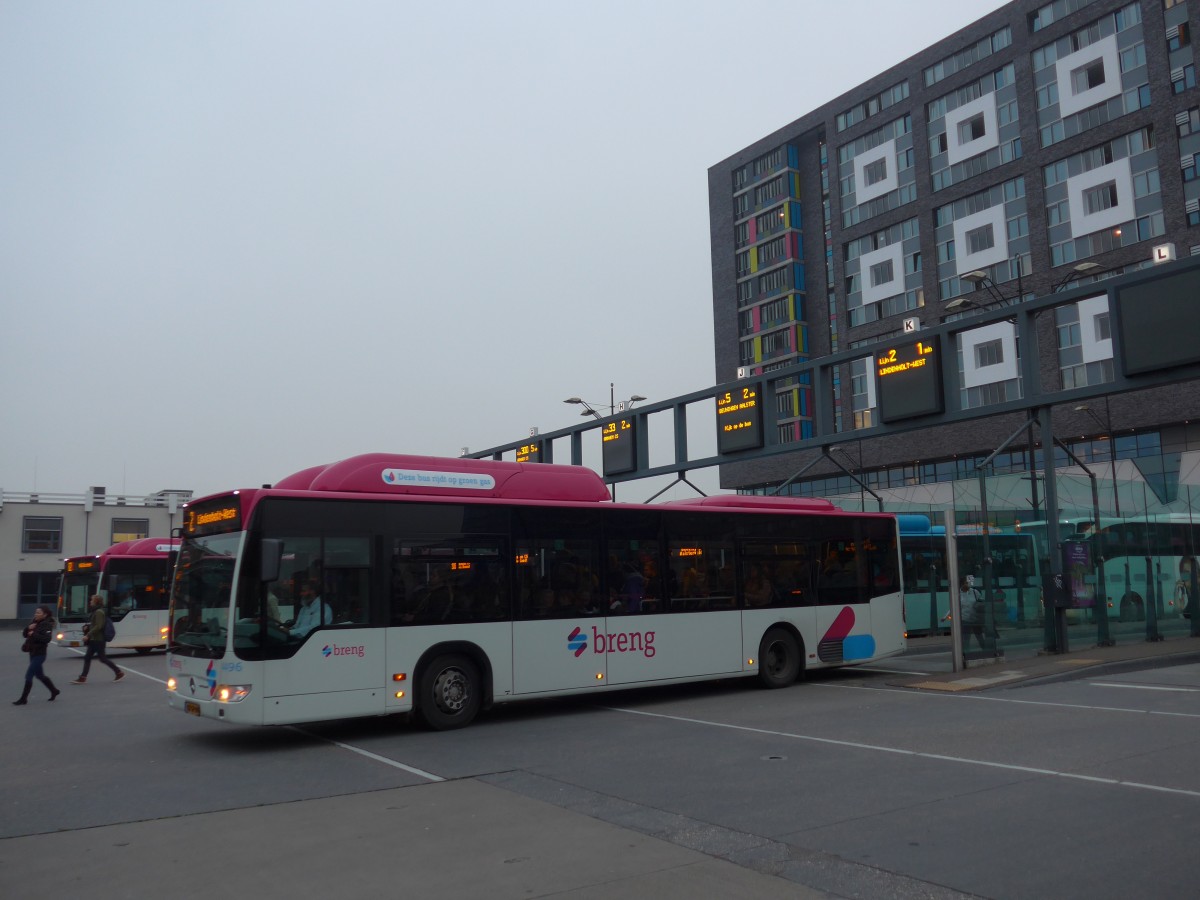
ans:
(909, 379)
(739, 419)
(619, 448)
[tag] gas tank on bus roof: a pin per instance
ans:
(151, 546)
(759, 502)
(393, 473)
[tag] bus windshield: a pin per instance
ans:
(79, 582)
(200, 596)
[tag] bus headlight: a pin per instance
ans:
(231, 693)
(172, 684)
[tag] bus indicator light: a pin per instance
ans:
(399, 695)
(400, 676)
(599, 676)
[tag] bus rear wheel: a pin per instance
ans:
(450, 693)
(778, 658)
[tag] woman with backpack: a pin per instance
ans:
(96, 635)
(37, 638)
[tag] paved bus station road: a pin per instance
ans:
(719, 790)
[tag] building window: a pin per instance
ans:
(129, 529)
(989, 353)
(1087, 77)
(1101, 197)
(971, 130)
(1102, 329)
(881, 273)
(980, 239)
(36, 589)
(875, 172)
(42, 534)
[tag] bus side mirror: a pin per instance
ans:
(271, 554)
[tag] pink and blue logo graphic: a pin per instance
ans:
(577, 641)
(326, 650)
(839, 645)
(210, 675)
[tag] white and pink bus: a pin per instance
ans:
(407, 584)
(134, 578)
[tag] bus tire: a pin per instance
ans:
(778, 659)
(143, 650)
(450, 693)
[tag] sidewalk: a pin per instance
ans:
(1025, 664)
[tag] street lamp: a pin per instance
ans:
(1078, 269)
(1112, 451)
(980, 277)
(613, 407)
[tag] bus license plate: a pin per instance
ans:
(192, 709)
(74, 643)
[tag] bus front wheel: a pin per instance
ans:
(778, 658)
(450, 693)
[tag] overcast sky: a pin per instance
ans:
(238, 239)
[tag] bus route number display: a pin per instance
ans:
(530, 452)
(619, 446)
(740, 420)
(909, 378)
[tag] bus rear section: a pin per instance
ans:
(133, 578)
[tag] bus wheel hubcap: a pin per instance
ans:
(451, 690)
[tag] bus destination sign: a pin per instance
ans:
(213, 517)
(909, 378)
(739, 420)
(619, 447)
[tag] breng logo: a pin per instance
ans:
(609, 642)
(338, 650)
(577, 641)
(210, 675)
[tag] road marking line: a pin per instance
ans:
(881, 749)
(990, 698)
(1145, 687)
(369, 755)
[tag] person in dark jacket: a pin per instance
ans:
(94, 632)
(37, 639)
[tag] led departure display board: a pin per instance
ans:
(909, 380)
(531, 452)
(740, 419)
(619, 448)
(1153, 321)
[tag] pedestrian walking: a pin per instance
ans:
(94, 635)
(37, 639)
(970, 612)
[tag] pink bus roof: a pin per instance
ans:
(393, 473)
(146, 547)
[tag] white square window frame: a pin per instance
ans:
(1120, 172)
(863, 193)
(956, 149)
(1091, 308)
(874, 293)
(978, 376)
(1105, 50)
(966, 261)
